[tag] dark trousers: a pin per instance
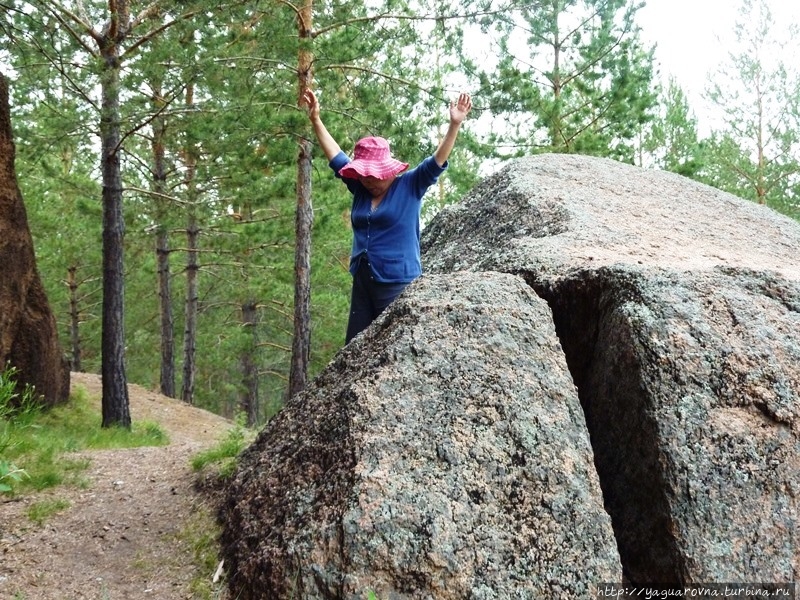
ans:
(368, 299)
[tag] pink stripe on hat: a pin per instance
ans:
(372, 158)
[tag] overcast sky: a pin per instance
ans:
(693, 38)
(686, 36)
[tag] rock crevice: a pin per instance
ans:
(586, 314)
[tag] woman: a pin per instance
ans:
(385, 212)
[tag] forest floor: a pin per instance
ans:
(128, 534)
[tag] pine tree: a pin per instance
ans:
(671, 141)
(210, 133)
(581, 81)
(106, 49)
(758, 92)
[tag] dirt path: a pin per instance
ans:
(123, 536)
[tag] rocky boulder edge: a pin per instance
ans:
(443, 454)
(677, 310)
(678, 307)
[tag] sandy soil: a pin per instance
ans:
(123, 536)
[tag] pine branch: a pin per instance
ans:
(405, 17)
(63, 15)
(155, 32)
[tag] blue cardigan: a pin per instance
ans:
(388, 237)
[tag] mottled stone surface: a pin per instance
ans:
(550, 214)
(445, 452)
(678, 307)
(28, 333)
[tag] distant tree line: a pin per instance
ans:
(168, 168)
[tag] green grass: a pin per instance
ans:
(201, 536)
(41, 511)
(224, 455)
(202, 531)
(37, 452)
(37, 445)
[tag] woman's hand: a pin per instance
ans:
(310, 99)
(460, 109)
(329, 145)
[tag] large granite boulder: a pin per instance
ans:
(28, 331)
(678, 307)
(597, 380)
(443, 454)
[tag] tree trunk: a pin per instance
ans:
(116, 407)
(304, 220)
(74, 319)
(190, 326)
(557, 139)
(192, 268)
(167, 379)
(760, 183)
(28, 332)
(248, 399)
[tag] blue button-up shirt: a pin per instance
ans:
(388, 237)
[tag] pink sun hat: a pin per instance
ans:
(372, 158)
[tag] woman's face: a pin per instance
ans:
(376, 187)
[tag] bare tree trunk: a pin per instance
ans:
(760, 183)
(74, 319)
(555, 125)
(304, 220)
(190, 326)
(192, 268)
(115, 404)
(248, 399)
(167, 379)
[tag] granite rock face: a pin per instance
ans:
(28, 331)
(597, 380)
(678, 307)
(443, 454)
